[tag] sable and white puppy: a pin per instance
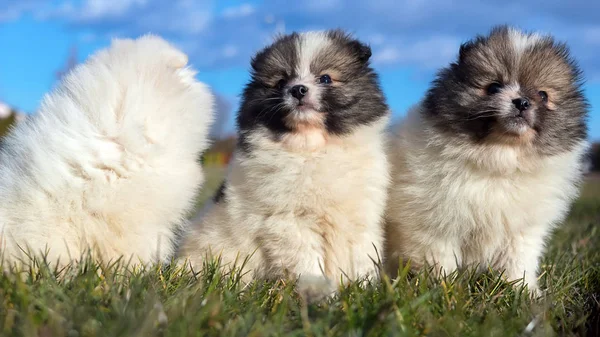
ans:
(110, 162)
(490, 161)
(308, 184)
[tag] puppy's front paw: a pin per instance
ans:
(315, 288)
(535, 292)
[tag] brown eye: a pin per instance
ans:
(543, 95)
(325, 79)
(494, 88)
(281, 84)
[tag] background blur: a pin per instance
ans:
(41, 39)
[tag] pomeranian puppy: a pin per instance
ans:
(490, 161)
(110, 163)
(306, 191)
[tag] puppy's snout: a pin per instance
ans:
(299, 91)
(521, 103)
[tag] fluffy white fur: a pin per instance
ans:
(308, 212)
(110, 162)
(454, 204)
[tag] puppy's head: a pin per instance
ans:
(314, 83)
(514, 88)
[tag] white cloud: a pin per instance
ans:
(322, 5)
(84, 11)
(87, 37)
(269, 19)
(238, 11)
(433, 52)
(429, 53)
(137, 17)
(66, 9)
(386, 55)
(592, 35)
(192, 22)
(376, 39)
(419, 33)
(97, 9)
(230, 51)
(9, 14)
(13, 10)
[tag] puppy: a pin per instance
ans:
(110, 163)
(306, 191)
(490, 161)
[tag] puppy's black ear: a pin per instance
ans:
(465, 48)
(362, 51)
(258, 59)
(365, 52)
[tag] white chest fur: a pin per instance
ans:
(304, 212)
(453, 205)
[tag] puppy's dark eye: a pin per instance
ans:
(543, 95)
(494, 88)
(281, 84)
(324, 79)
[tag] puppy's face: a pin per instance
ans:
(311, 82)
(513, 88)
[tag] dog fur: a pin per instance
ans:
(474, 182)
(110, 163)
(306, 190)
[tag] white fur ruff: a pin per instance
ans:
(110, 162)
(311, 213)
(455, 204)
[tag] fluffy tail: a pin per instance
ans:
(111, 160)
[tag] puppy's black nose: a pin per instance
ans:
(299, 91)
(521, 103)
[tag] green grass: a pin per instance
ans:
(94, 300)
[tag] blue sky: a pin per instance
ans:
(410, 38)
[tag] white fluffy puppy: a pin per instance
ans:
(110, 161)
(307, 187)
(490, 161)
